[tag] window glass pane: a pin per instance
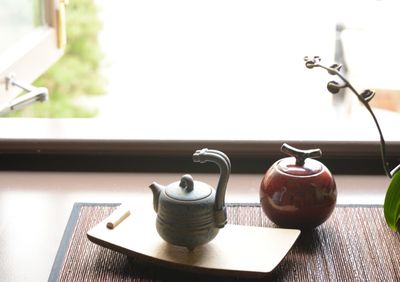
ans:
(197, 64)
(18, 18)
(231, 68)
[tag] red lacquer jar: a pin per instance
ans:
(298, 192)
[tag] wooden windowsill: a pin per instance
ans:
(107, 145)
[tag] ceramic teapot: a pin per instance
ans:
(190, 213)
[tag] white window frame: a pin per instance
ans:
(32, 55)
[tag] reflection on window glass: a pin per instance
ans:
(195, 62)
(18, 18)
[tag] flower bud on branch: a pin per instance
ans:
(364, 98)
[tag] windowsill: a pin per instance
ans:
(107, 145)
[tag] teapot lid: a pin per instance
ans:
(299, 164)
(185, 190)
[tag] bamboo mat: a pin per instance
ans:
(353, 245)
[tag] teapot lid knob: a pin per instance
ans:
(185, 190)
(186, 182)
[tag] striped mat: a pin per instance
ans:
(353, 245)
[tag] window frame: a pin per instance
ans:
(34, 54)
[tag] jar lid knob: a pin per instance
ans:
(300, 155)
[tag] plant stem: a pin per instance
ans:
(367, 106)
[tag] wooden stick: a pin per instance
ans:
(117, 217)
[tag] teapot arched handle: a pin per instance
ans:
(223, 162)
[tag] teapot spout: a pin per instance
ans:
(156, 189)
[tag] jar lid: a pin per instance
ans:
(188, 190)
(309, 168)
(300, 164)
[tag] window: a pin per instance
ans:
(216, 73)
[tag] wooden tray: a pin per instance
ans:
(244, 251)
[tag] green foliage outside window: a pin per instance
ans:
(77, 74)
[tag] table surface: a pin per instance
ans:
(35, 207)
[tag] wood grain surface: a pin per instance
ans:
(247, 251)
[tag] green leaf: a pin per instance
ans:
(392, 202)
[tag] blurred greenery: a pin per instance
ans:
(78, 73)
